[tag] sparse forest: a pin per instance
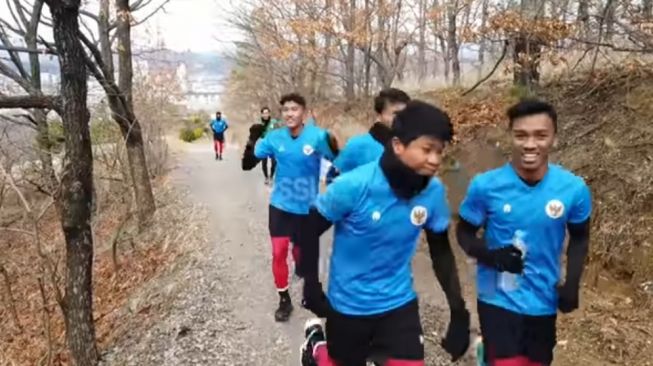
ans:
(90, 216)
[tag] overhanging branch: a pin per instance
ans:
(44, 51)
(29, 101)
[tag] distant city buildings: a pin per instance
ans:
(199, 77)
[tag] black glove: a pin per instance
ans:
(314, 299)
(507, 259)
(567, 298)
(456, 342)
(249, 160)
(255, 132)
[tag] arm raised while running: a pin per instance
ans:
(250, 158)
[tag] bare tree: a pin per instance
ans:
(76, 184)
(120, 95)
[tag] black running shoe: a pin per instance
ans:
(314, 336)
(283, 312)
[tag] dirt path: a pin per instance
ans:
(222, 310)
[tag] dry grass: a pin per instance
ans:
(140, 258)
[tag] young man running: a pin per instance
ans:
(218, 126)
(298, 150)
(268, 124)
(368, 147)
(379, 210)
(525, 208)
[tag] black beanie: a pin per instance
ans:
(421, 119)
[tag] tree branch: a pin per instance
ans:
(496, 66)
(13, 55)
(44, 51)
(11, 74)
(30, 101)
(156, 10)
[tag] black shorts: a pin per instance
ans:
(507, 334)
(218, 137)
(284, 224)
(397, 334)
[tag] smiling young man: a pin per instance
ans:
(525, 207)
(298, 149)
(368, 147)
(378, 211)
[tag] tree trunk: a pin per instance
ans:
(132, 132)
(40, 117)
(421, 46)
(527, 50)
(350, 60)
(367, 61)
(445, 58)
(45, 152)
(103, 29)
(610, 13)
(327, 46)
(647, 9)
(583, 16)
(76, 184)
(453, 41)
(483, 43)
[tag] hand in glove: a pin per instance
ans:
(456, 341)
(507, 259)
(249, 160)
(567, 298)
(255, 132)
(314, 298)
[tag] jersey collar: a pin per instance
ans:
(381, 133)
(405, 183)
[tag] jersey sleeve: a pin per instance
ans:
(343, 161)
(263, 148)
(581, 208)
(323, 145)
(438, 220)
(339, 199)
(473, 206)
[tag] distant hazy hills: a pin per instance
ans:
(214, 64)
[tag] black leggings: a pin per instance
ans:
(264, 164)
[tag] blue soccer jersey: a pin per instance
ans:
(359, 150)
(501, 202)
(375, 239)
(297, 177)
(219, 126)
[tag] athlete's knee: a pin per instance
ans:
(280, 248)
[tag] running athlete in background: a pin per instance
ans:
(378, 211)
(218, 127)
(525, 208)
(298, 149)
(368, 147)
(268, 124)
